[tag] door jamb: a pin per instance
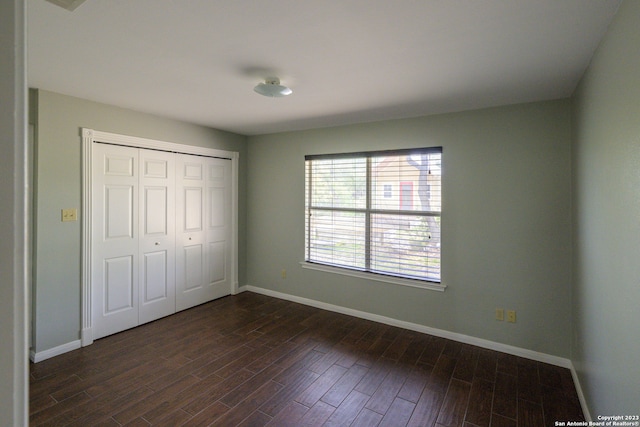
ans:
(89, 136)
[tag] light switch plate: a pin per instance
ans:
(69, 215)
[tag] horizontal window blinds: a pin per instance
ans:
(377, 212)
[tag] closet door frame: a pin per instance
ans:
(91, 136)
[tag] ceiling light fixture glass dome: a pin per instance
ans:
(272, 88)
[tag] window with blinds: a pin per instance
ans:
(376, 212)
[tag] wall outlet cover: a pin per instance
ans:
(69, 215)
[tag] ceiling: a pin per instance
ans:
(347, 61)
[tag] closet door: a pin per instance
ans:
(157, 235)
(115, 239)
(218, 227)
(161, 234)
(202, 229)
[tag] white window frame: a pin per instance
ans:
(363, 274)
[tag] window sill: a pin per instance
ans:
(432, 286)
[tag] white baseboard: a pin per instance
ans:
(479, 342)
(56, 351)
(86, 337)
(583, 401)
(491, 345)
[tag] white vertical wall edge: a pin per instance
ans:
(89, 136)
(14, 308)
(86, 335)
(491, 345)
(235, 190)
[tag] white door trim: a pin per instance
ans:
(89, 136)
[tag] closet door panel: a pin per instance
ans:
(156, 210)
(190, 237)
(118, 212)
(217, 207)
(218, 261)
(157, 237)
(118, 282)
(193, 200)
(218, 226)
(193, 267)
(114, 239)
(204, 194)
(156, 283)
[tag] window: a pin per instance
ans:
(354, 222)
(388, 191)
(406, 195)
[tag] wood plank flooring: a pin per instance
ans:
(252, 360)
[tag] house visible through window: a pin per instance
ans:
(355, 221)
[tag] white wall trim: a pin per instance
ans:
(491, 345)
(153, 144)
(85, 262)
(581, 398)
(56, 351)
(89, 137)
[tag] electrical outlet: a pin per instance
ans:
(69, 215)
(500, 314)
(283, 273)
(511, 316)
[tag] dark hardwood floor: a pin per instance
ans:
(252, 360)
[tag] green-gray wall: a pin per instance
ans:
(58, 118)
(14, 382)
(506, 232)
(606, 209)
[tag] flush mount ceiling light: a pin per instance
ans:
(272, 88)
(70, 5)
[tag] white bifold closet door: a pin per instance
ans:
(157, 237)
(160, 236)
(203, 218)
